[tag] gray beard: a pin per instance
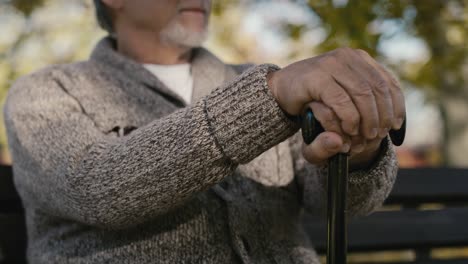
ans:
(175, 33)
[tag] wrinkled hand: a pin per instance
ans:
(356, 100)
(362, 151)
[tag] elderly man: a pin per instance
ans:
(155, 151)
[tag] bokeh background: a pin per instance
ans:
(423, 42)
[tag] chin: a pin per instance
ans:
(187, 36)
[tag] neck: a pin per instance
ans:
(147, 48)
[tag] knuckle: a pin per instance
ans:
(381, 85)
(364, 90)
(334, 96)
(342, 101)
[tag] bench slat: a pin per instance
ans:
(407, 229)
(13, 238)
(445, 261)
(430, 185)
(7, 189)
(10, 201)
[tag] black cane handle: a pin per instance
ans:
(311, 128)
(398, 136)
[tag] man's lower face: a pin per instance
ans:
(188, 27)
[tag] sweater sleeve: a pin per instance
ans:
(65, 166)
(367, 189)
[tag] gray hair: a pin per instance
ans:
(103, 16)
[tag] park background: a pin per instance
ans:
(422, 41)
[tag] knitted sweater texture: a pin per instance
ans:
(114, 167)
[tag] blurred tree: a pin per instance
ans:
(442, 25)
(42, 32)
(26, 6)
(39, 33)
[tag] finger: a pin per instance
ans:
(329, 121)
(363, 97)
(327, 118)
(398, 100)
(399, 108)
(358, 145)
(380, 88)
(335, 97)
(322, 148)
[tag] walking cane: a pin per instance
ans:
(337, 188)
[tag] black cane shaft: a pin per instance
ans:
(337, 189)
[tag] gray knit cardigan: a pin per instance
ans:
(113, 167)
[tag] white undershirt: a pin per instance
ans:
(176, 77)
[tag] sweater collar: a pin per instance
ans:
(208, 71)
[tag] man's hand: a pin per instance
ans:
(356, 100)
(362, 151)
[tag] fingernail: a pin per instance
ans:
(383, 132)
(358, 148)
(345, 148)
(374, 133)
(397, 123)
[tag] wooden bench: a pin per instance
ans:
(444, 225)
(406, 229)
(12, 221)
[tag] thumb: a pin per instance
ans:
(323, 147)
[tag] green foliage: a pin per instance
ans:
(441, 25)
(346, 25)
(26, 6)
(40, 33)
